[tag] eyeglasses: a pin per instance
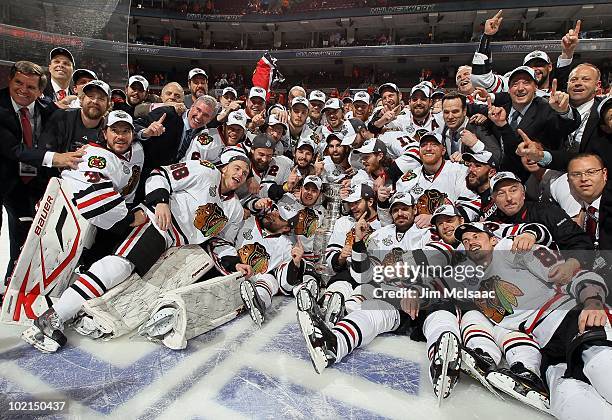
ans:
(590, 173)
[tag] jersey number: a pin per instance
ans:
(547, 257)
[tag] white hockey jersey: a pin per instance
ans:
(403, 149)
(406, 123)
(199, 211)
(331, 172)
(207, 145)
(449, 179)
(520, 294)
(103, 182)
(344, 234)
(278, 171)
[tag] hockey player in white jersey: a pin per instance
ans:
(299, 129)
(336, 165)
(415, 122)
(188, 203)
(264, 245)
(209, 143)
(441, 175)
(571, 324)
(104, 182)
(316, 118)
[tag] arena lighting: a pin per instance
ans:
(588, 6)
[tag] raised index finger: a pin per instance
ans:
(553, 88)
(577, 28)
(524, 136)
(162, 118)
(498, 14)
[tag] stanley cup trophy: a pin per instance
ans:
(333, 210)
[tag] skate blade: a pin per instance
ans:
(247, 293)
(304, 300)
(449, 350)
(506, 384)
(468, 365)
(160, 324)
(317, 357)
(332, 312)
(47, 345)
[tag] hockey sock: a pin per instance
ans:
(266, 286)
(477, 332)
(520, 347)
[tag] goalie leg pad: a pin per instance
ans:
(199, 307)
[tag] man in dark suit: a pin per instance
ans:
(61, 67)
(22, 156)
(548, 121)
(462, 136)
(166, 135)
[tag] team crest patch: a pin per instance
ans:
(247, 235)
(205, 139)
(430, 200)
(307, 223)
(504, 298)
(96, 162)
(408, 176)
(256, 256)
(210, 219)
(212, 191)
(387, 241)
(132, 182)
(207, 164)
(420, 133)
(315, 137)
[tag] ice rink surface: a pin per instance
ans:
(236, 371)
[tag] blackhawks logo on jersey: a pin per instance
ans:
(430, 200)
(256, 256)
(502, 300)
(408, 176)
(205, 139)
(315, 137)
(210, 219)
(97, 162)
(207, 164)
(307, 223)
(420, 133)
(132, 182)
(350, 236)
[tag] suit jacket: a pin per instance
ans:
(49, 93)
(12, 148)
(60, 133)
(484, 134)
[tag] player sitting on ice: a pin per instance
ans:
(187, 203)
(263, 244)
(570, 324)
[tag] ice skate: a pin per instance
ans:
(47, 332)
(445, 365)
(478, 363)
(320, 340)
(253, 302)
(522, 384)
(334, 309)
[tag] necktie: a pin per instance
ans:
(61, 94)
(454, 142)
(26, 131)
(514, 121)
(184, 144)
(591, 223)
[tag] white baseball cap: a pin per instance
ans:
(119, 116)
(232, 153)
(306, 142)
(273, 120)
(422, 87)
(350, 129)
(402, 197)
(332, 103)
(388, 85)
(317, 95)
(301, 101)
(97, 84)
(287, 211)
(444, 210)
(139, 79)
(536, 55)
(236, 118)
(501, 176)
(257, 92)
(522, 69)
(362, 96)
(359, 191)
(195, 72)
(230, 90)
(484, 156)
(313, 179)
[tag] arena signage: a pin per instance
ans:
(414, 8)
